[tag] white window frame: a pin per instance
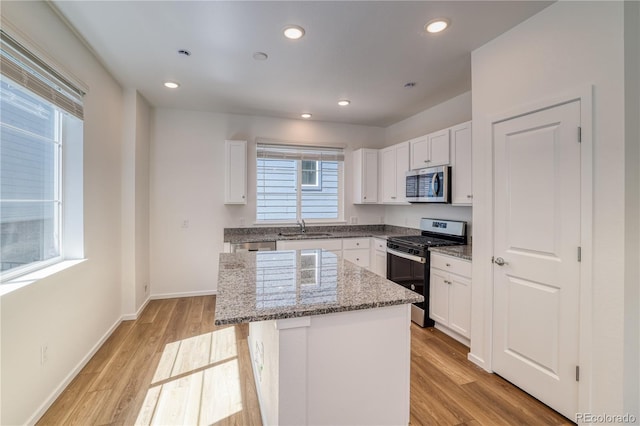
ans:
(341, 179)
(68, 167)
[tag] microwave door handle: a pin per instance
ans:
(435, 184)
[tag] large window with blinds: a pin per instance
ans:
(38, 109)
(299, 183)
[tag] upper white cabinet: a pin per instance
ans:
(430, 150)
(394, 163)
(235, 177)
(461, 164)
(365, 176)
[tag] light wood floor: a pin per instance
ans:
(174, 367)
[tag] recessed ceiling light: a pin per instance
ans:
(293, 32)
(344, 102)
(171, 84)
(436, 25)
(260, 56)
(305, 115)
(184, 52)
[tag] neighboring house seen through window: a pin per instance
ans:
(299, 183)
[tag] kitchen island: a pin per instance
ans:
(330, 342)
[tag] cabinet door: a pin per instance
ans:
(460, 304)
(419, 152)
(438, 148)
(388, 175)
(402, 166)
(358, 256)
(365, 176)
(461, 164)
(235, 187)
(439, 296)
(380, 263)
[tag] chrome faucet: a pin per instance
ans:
(303, 226)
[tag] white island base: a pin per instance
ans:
(345, 368)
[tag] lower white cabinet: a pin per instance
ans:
(357, 250)
(450, 295)
(379, 256)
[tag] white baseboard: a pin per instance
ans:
(74, 372)
(454, 335)
(185, 294)
(478, 361)
(133, 317)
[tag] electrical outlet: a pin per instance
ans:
(146, 287)
(241, 221)
(185, 224)
(353, 220)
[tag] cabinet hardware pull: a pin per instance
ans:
(448, 264)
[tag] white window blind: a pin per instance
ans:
(290, 189)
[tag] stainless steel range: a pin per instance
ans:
(408, 259)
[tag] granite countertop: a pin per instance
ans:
(463, 252)
(260, 234)
(268, 285)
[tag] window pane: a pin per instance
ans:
(322, 203)
(27, 166)
(29, 194)
(309, 173)
(276, 189)
(28, 233)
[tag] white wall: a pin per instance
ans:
(454, 111)
(48, 311)
(632, 204)
(135, 203)
(562, 48)
(187, 177)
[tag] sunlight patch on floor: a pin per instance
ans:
(197, 382)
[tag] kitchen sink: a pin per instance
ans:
(304, 234)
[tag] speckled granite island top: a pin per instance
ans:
(463, 252)
(268, 285)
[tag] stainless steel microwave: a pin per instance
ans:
(430, 185)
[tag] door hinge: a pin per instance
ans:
(579, 254)
(577, 373)
(580, 134)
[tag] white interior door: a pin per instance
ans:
(537, 236)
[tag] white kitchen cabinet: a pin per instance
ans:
(357, 250)
(379, 256)
(450, 295)
(394, 163)
(235, 177)
(365, 176)
(430, 150)
(461, 194)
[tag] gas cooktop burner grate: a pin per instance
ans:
(423, 241)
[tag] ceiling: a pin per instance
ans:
(358, 50)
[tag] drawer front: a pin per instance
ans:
(355, 243)
(451, 264)
(380, 244)
(358, 256)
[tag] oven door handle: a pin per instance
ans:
(406, 256)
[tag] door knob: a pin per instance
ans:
(499, 261)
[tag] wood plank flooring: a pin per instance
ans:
(173, 366)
